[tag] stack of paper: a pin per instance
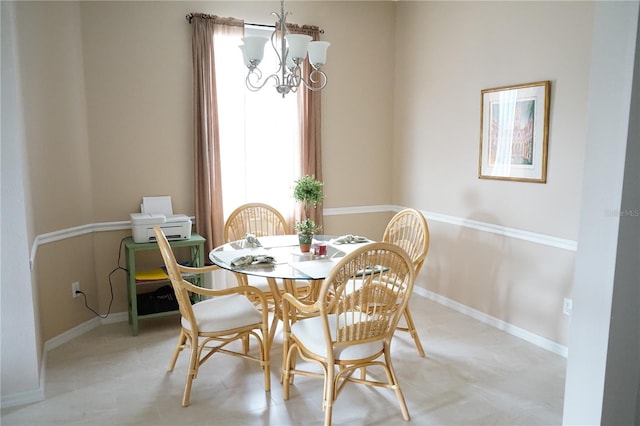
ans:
(151, 275)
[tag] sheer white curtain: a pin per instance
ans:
(259, 135)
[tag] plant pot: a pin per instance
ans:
(305, 241)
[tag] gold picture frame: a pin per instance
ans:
(514, 132)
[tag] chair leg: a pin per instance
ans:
(245, 344)
(329, 394)
(192, 372)
(393, 381)
(412, 330)
(267, 376)
(272, 329)
(265, 355)
(292, 368)
(286, 362)
(285, 376)
(182, 338)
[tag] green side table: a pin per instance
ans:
(196, 243)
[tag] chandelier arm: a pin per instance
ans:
(257, 86)
(294, 77)
(317, 80)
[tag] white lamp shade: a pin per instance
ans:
(253, 47)
(244, 55)
(298, 45)
(318, 52)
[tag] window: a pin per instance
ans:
(259, 136)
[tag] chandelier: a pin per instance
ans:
(291, 50)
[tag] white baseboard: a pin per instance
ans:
(494, 322)
(80, 329)
(115, 317)
(71, 334)
(30, 396)
(22, 398)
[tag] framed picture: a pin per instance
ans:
(514, 132)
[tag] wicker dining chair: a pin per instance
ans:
(261, 220)
(357, 312)
(223, 317)
(409, 229)
(258, 219)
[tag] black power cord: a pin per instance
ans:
(117, 268)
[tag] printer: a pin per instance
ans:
(159, 211)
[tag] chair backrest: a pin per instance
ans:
(255, 218)
(184, 302)
(409, 229)
(366, 293)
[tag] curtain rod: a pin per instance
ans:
(189, 17)
(272, 26)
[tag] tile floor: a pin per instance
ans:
(473, 374)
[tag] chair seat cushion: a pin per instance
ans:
(309, 333)
(224, 313)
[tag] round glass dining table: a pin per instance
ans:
(288, 262)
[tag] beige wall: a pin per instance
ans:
(447, 52)
(409, 143)
(518, 282)
(50, 60)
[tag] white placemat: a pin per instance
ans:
(316, 269)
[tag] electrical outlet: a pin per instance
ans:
(567, 306)
(75, 288)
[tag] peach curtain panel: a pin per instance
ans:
(208, 185)
(310, 119)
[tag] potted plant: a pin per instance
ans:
(306, 228)
(308, 192)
